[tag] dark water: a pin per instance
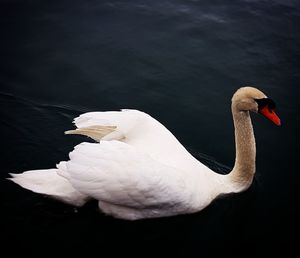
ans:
(180, 61)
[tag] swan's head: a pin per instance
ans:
(252, 99)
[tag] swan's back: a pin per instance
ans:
(145, 133)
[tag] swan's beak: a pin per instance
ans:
(266, 107)
(270, 114)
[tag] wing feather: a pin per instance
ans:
(109, 125)
(117, 173)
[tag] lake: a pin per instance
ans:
(179, 61)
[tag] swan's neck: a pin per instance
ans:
(243, 171)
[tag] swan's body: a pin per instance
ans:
(140, 170)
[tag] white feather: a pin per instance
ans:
(147, 172)
(48, 182)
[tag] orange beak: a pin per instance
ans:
(270, 114)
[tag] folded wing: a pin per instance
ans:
(117, 173)
(139, 130)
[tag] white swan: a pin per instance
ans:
(140, 170)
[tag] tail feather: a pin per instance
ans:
(48, 182)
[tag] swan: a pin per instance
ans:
(140, 170)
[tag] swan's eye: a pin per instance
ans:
(265, 102)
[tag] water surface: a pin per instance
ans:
(179, 61)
